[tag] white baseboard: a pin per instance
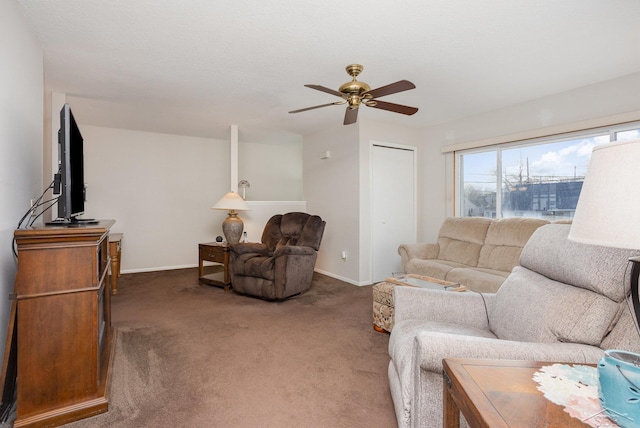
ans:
(161, 268)
(158, 268)
(341, 278)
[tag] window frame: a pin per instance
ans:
(611, 131)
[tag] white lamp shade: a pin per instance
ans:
(608, 211)
(231, 202)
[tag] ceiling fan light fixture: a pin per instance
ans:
(354, 101)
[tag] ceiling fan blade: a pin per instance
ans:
(350, 116)
(315, 107)
(392, 88)
(397, 108)
(325, 89)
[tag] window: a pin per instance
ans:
(479, 173)
(541, 178)
(631, 134)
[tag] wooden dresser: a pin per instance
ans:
(65, 342)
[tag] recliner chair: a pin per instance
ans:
(282, 264)
(566, 302)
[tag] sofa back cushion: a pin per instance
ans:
(530, 307)
(562, 292)
(271, 234)
(295, 228)
(598, 269)
(504, 242)
(461, 238)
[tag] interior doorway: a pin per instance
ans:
(393, 206)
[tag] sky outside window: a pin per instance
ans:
(562, 160)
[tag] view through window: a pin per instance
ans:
(541, 179)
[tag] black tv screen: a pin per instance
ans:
(71, 162)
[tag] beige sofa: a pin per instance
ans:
(565, 302)
(476, 252)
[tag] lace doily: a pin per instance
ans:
(576, 389)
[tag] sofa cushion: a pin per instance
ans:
(625, 333)
(504, 241)
(530, 307)
(599, 269)
(433, 268)
(312, 232)
(477, 279)
(271, 234)
(255, 265)
(461, 238)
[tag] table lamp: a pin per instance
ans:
(608, 214)
(232, 226)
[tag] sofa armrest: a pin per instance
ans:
(250, 247)
(417, 251)
(431, 347)
(466, 308)
(293, 250)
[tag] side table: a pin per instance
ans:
(115, 251)
(217, 252)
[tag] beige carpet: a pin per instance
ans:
(189, 355)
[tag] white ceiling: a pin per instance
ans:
(195, 67)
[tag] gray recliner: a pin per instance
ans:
(566, 302)
(282, 264)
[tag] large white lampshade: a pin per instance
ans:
(232, 226)
(608, 212)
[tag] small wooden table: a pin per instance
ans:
(498, 393)
(217, 252)
(115, 251)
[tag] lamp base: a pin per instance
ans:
(232, 228)
(619, 375)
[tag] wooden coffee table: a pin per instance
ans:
(498, 393)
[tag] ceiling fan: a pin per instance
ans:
(355, 93)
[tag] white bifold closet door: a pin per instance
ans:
(393, 217)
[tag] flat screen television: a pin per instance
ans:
(71, 171)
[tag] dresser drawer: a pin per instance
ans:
(212, 254)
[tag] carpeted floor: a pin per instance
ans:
(189, 355)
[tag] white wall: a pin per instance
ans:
(159, 188)
(339, 190)
(273, 167)
(594, 101)
(21, 137)
(331, 187)
(603, 99)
